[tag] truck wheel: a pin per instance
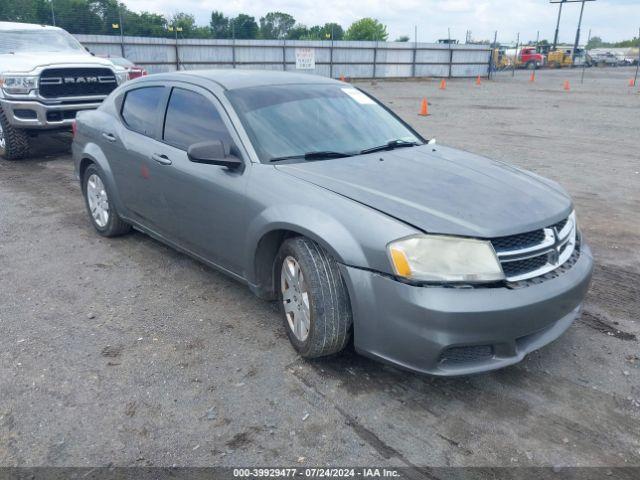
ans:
(313, 298)
(102, 211)
(14, 143)
(531, 65)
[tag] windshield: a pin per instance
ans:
(294, 120)
(41, 40)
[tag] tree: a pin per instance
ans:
(219, 25)
(298, 32)
(276, 25)
(367, 29)
(595, 42)
(244, 26)
(402, 38)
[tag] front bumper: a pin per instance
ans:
(29, 114)
(461, 331)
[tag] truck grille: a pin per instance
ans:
(536, 253)
(76, 82)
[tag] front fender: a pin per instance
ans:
(312, 223)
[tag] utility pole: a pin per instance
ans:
(575, 45)
(584, 65)
(53, 14)
(562, 2)
(555, 37)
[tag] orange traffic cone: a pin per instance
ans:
(443, 84)
(424, 108)
(478, 82)
(632, 82)
(532, 78)
(566, 85)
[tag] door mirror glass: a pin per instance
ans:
(213, 152)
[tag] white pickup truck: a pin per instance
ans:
(46, 77)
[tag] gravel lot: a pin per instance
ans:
(124, 352)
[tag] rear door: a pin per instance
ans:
(133, 145)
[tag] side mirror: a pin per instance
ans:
(213, 152)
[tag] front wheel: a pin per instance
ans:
(102, 211)
(14, 143)
(313, 298)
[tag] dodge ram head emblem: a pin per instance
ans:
(76, 80)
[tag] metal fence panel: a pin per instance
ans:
(361, 59)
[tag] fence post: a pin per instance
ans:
(515, 58)
(177, 54)
(331, 58)
(375, 58)
(415, 51)
(450, 53)
(233, 43)
(284, 54)
(492, 47)
(121, 31)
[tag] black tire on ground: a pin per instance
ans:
(16, 142)
(329, 306)
(531, 65)
(115, 226)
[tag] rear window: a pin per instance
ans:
(140, 109)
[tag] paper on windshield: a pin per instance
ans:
(358, 96)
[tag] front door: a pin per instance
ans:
(207, 202)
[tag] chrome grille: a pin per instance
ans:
(76, 82)
(532, 254)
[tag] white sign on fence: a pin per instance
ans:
(305, 58)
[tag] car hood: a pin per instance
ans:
(26, 62)
(439, 189)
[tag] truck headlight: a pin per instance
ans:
(438, 258)
(18, 84)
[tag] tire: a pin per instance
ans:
(14, 143)
(531, 66)
(327, 300)
(95, 190)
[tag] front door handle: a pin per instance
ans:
(161, 159)
(109, 136)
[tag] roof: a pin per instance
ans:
(232, 79)
(25, 26)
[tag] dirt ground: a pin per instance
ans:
(124, 352)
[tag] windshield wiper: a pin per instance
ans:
(390, 146)
(313, 156)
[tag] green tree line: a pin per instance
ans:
(107, 17)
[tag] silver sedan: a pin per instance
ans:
(314, 194)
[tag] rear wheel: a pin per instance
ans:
(313, 298)
(14, 143)
(102, 212)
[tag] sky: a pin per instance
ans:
(612, 20)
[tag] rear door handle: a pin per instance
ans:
(161, 159)
(109, 136)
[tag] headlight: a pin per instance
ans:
(122, 76)
(16, 84)
(435, 258)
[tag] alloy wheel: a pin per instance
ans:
(295, 298)
(98, 200)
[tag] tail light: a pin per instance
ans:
(74, 128)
